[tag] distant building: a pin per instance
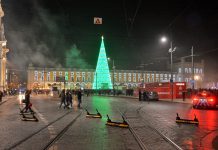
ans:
(45, 78)
(3, 52)
(184, 73)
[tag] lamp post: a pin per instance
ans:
(113, 67)
(171, 50)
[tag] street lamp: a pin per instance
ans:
(171, 50)
(113, 67)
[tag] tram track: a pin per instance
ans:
(41, 129)
(137, 137)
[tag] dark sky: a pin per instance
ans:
(48, 32)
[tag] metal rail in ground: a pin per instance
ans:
(61, 133)
(31, 135)
(135, 135)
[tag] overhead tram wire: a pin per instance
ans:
(177, 16)
(133, 19)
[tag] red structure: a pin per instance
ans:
(164, 89)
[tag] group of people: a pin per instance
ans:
(143, 96)
(67, 98)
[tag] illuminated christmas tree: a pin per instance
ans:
(102, 79)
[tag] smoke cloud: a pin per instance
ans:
(40, 40)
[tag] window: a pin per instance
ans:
(186, 79)
(83, 78)
(161, 77)
(186, 70)
(35, 75)
(180, 70)
(54, 76)
(129, 79)
(72, 76)
(190, 70)
(165, 76)
(60, 73)
(152, 77)
(48, 76)
(42, 76)
(148, 77)
(196, 70)
(200, 71)
(77, 76)
(139, 77)
(180, 80)
(89, 77)
(124, 77)
(134, 79)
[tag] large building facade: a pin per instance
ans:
(3, 52)
(45, 78)
(191, 74)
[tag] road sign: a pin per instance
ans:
(97, 20)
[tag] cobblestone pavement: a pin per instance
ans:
(150, 121)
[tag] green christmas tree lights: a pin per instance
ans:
(102, 79)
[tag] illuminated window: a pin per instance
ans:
(83, 78)
(35, 75)
(148, 77)
(152, 77)
(196, 70)
(54, 76)
(124, 77)
(48, 76)
(165, 76)
(134, 79)
(139, 77)
(42, 76)
(89, 77)
(190, 70)
(180, 70)
(200, 71)
(72, 76)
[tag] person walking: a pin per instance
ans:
(27, 102)
(63, 97)
(140, 95)
(69, 99)
(79, 97)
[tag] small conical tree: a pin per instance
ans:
(102, 79)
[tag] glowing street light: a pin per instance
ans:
(171, 50)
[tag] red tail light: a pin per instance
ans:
(210, 100)
(195, 99)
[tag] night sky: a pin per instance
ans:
(49, 33)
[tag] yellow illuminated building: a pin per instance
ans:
(45, 78)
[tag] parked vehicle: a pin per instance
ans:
(205, 99)
(150, 95)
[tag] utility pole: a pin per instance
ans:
(193, 72)
(113, 77)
